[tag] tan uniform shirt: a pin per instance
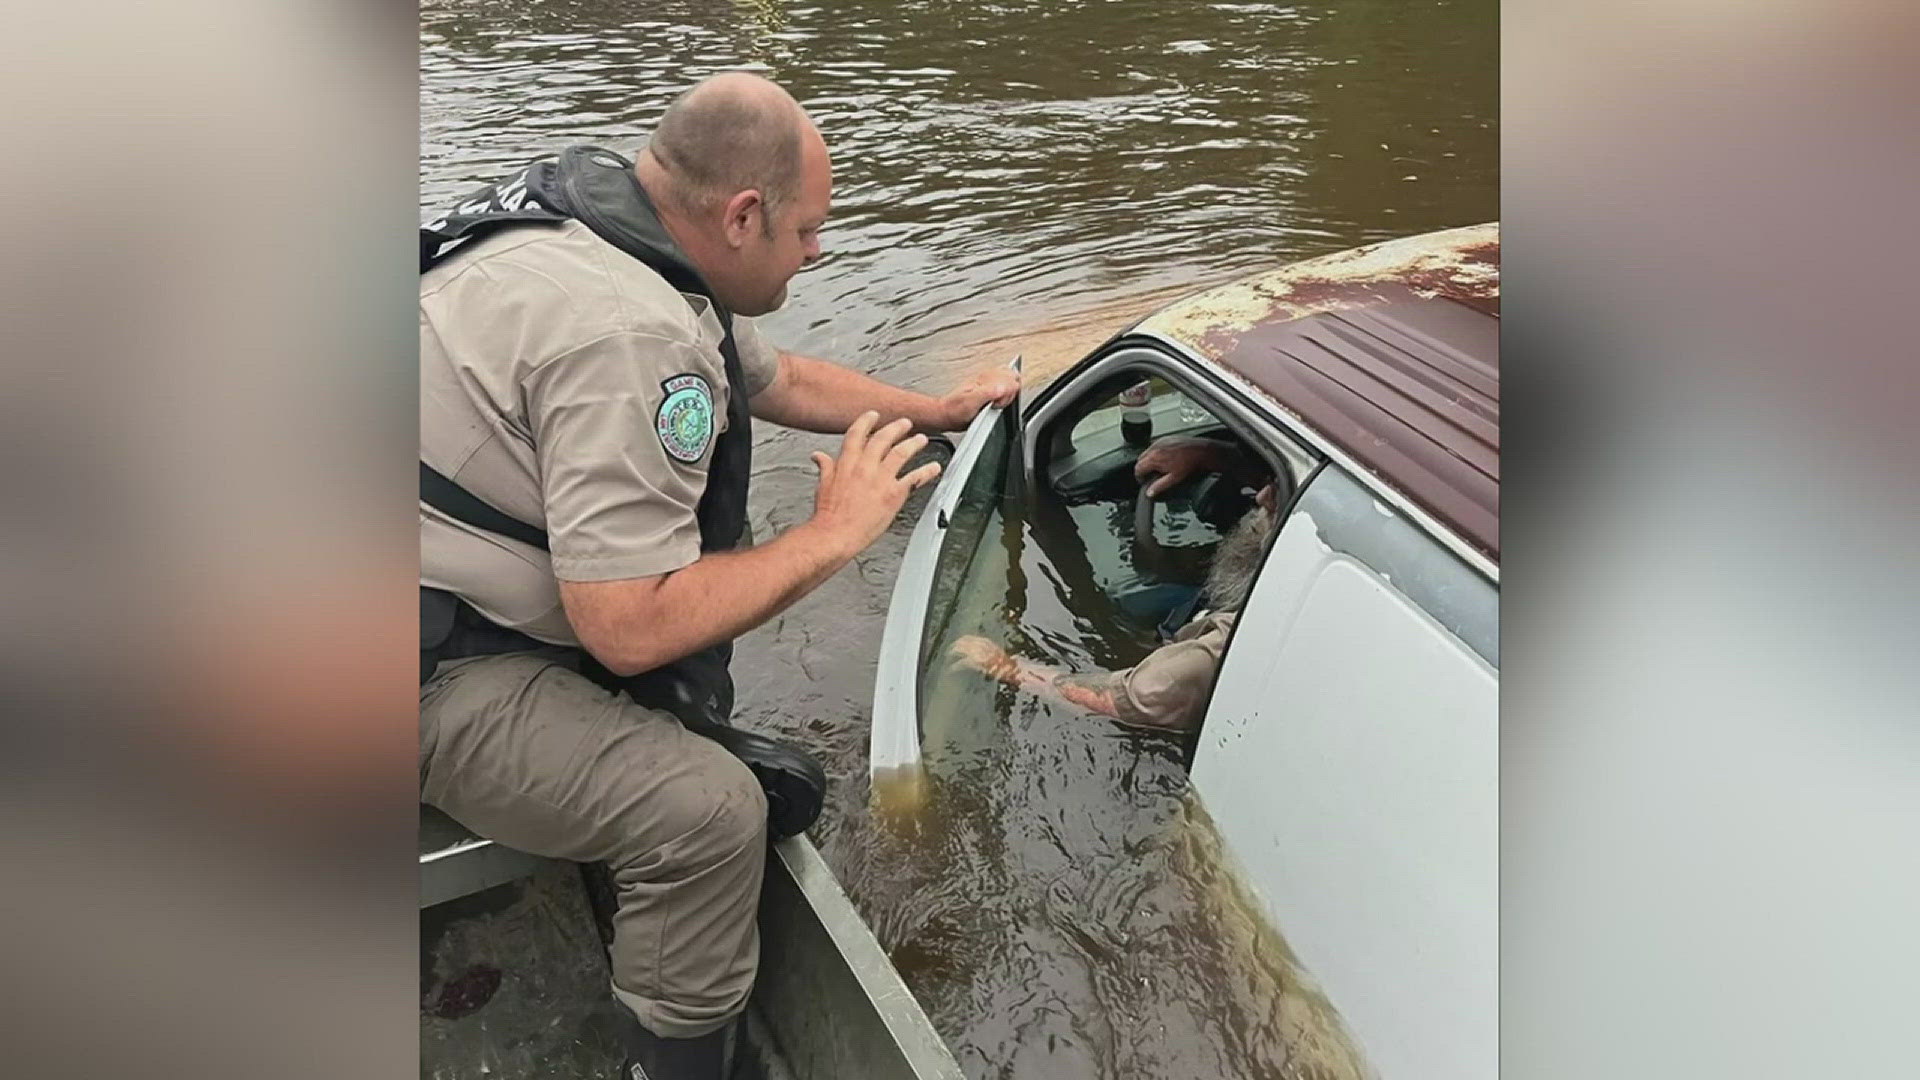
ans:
(546, 357)
(1169, 689)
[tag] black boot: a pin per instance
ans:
(651, 1057)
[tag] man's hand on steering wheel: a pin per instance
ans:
(1178, 458)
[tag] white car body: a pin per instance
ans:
(1349, 755)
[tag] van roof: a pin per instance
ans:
(1391, 352)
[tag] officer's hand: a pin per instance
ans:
(997, 386)
(862, 490)
(1175, 459)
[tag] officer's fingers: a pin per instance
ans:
(922, 476)
(901, 451)
(858, 432)
(884, 439)
(1154, 489)
(825, 464)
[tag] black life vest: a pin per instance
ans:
(596, 187)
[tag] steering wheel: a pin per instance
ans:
(1149, 555)
(1217, 499)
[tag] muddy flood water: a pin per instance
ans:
(1019, 177)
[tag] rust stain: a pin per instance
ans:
(1458, 264)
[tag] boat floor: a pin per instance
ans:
(514, 985)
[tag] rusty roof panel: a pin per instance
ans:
(1391, 352)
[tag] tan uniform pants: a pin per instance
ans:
(523, 750)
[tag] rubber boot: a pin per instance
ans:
(652, 1057)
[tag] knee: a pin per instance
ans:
(740, 814)
(710, 812)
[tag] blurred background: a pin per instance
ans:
(1710, 718)
(1710, 741)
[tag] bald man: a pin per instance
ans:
(589, 372)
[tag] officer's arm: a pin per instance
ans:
(638, 624)
(818, 395)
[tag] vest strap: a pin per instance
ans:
(465, 507)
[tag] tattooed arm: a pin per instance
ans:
(1096, 693)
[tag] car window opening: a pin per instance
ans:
(1119, 571)
(1147, 551)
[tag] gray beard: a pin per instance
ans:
(1237, 562)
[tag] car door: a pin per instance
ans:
(944, 544)
(1350, 762)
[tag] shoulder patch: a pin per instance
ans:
(685, 418)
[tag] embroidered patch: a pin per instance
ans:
(685, 419)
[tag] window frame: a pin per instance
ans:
(1059, 404)
(1246, 411)
(1123, 354)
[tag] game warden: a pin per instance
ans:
(589, 371)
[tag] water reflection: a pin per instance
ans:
(1005, 169)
